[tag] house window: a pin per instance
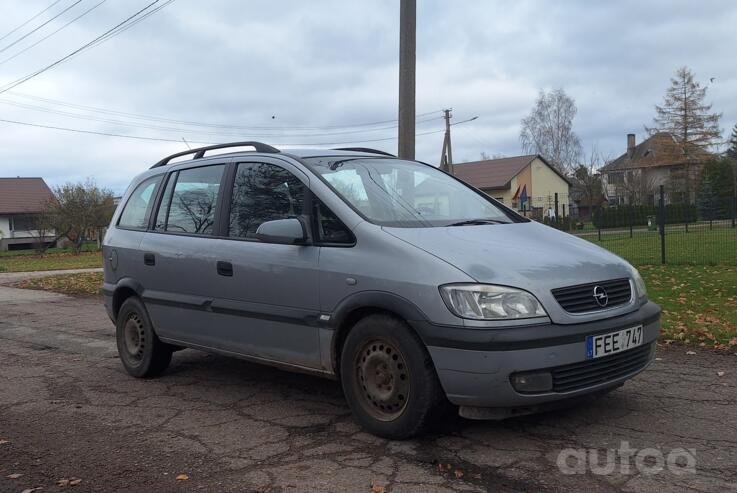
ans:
(616, 178)
(25, 222)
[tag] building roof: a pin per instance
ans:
(497, 173)
(23, 195)
(660, 149)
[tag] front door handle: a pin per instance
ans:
(149, 259)
(225, 268)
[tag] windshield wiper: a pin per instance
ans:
(477, 222)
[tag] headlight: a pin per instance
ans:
(639, 284)
(490, 302)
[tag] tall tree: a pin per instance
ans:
(548, 130)
(686, 116)
(732, 151)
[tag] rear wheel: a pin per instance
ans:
(389, 379)
(140, 350)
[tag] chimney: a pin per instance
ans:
(630, 143)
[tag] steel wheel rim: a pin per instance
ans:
(382, 380)
(134, 338)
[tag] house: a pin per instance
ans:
(524, 183)
(635, 176)
(21, 200)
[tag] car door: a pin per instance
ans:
(178, 256)
(267, 298)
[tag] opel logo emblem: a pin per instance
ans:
(600, 296)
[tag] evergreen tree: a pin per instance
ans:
(686, 116)
(732, 151)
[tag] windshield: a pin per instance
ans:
(392, 192)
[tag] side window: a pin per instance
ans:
(330, 229)
(193, 200)
(138, 208)
(166, 202)
(263, 192)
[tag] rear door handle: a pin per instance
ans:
(149, 259)
(225, 268)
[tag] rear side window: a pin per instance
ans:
(138, 208)
(190, 202)
(263, 192)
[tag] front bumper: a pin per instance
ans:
(474, 364)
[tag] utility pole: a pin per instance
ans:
(407, 49)
(446, 158)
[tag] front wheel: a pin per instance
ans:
(389, 379)
(141, 352)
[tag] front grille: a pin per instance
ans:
(580, 299)
(592, 372)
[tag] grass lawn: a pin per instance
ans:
(697, 247)
(27, 262)
(82, 283)
(699, 302)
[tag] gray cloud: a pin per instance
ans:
(335, 63)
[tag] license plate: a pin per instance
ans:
(613, 342)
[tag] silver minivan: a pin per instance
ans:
(415, 290)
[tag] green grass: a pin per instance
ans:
(50, 261)
(699, 303)
(697, 247)
(87, 247)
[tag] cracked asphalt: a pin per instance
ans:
(68, 410)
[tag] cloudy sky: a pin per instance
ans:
(316, 72)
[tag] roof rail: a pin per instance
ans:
(365, 149)
(200, 151)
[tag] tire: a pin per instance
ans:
(142, 353)
(389, 380)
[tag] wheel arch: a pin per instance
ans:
(124, 289)
(360, 305)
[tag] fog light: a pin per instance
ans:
(540, 381)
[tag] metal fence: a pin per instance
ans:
(701, 231)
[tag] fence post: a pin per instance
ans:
(557, 223)
(734, 210)
(661, 221)
(598, 213)
(711, 212)
(629, 219)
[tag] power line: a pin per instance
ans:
(103, 37)
(195, 131)
(29, 20)
(138, 116)
(39, 27)
(139, 137)
(49, 35)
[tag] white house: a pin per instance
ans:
(21, 200)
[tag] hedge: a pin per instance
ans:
(636, 215)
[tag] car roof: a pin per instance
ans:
(267, 150)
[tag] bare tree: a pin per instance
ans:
(686, 116)
(587, 184)
(636, 186)
(548, 130)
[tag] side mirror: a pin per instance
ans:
(289, 231)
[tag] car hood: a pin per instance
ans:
(530, 256)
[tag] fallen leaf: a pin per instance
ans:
(3, 442)
(690, 353)
(182, 477)
(720, 373)
(74, 482)
(62, 482)
(377, 488)
(14, 476)
(458, 473)
(30, 490)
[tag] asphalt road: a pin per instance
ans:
(68, 411)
